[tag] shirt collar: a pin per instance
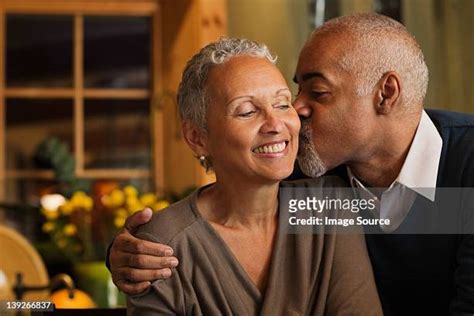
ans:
(420, 169)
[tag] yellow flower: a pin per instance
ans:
(148, 199)
(77, 196)
(130, 191)
(121, 212)
(117, 197)
(47, 227)
(161, 205)
(131, 200)
(133, 204)
(69, 229)
(119, 221)
(79, 199)
(50, 215)
(88, 203)
(136, 208)
(107, 201)
(66, 208)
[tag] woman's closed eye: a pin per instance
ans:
(283, 106)
(245, 109)
(246, 113)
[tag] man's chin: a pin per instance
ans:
(313, 168)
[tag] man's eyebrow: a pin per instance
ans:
(310, 75)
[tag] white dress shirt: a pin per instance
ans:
(417, 176)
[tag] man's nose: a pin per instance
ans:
(302, 108)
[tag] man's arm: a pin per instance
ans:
(135, 262)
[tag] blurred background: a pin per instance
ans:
(89, 130)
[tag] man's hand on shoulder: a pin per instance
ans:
(134, 262)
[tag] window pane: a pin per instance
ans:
(39, 51)
(30, 122)
(117, 52)
(117, 134)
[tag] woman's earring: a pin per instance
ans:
(205, 162)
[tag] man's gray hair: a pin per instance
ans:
(379, 45)
(192, 98)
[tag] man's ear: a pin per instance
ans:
(196, 138)
(388, 93)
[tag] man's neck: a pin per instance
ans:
(379, 173)
(383, 165)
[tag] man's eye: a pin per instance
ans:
(317, 94)
(246, 114)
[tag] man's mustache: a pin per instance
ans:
(305, 132)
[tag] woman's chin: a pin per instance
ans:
(278, 174)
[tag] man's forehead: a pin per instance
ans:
(316, 67)
(324, 45)
(320, 59)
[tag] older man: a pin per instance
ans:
(362, 81)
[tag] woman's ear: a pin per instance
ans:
(388, 93)
(196, 138)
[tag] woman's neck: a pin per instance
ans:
(249, 206)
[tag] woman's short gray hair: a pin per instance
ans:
(192, 99)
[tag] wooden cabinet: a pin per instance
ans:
(102, 77)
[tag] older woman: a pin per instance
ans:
(239, 121)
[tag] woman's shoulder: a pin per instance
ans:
(169, 222)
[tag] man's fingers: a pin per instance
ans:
(150, 262)
(131, 260)
(137, 219)
(131, 244)
(135, 281)
(141, 275)
(132, 288)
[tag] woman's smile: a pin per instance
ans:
(273, 149)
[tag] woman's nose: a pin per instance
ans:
(272, 123)
(302, 108)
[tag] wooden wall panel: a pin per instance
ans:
(118, 7)
(187, 26)
(2, 111)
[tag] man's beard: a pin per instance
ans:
(308, 159)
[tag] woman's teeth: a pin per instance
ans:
(275, 148)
